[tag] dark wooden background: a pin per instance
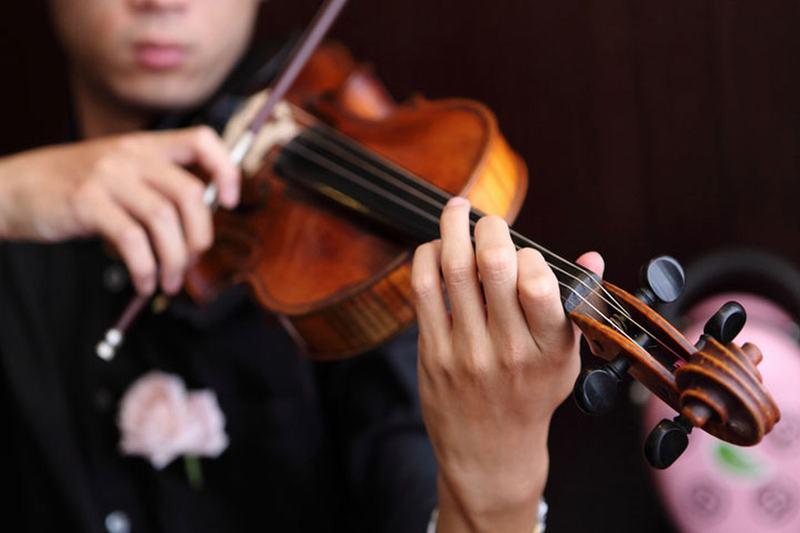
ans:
(648, 127)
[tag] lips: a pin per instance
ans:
(153, 55)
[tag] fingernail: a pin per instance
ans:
(147, 286)
(231, 198)
(172, 284)
(457, 200)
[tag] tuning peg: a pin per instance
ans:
(662, 280)
(595, 391)
(726, 323)
(667, 442)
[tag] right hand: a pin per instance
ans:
(133, 190)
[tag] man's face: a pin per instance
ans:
(154, 54)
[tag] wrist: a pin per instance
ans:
(521, 517)
(502, 504)
(8, 194)
(22, 195)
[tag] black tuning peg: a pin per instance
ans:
(667, 442)
(726, 323)
(595, 391)
(662, 280)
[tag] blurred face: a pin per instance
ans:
(153, 54)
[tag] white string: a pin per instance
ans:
(297, 148)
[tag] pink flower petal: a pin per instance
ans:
(160, 421)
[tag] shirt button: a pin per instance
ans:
(115, 278)
(102, 400)
(118, 522)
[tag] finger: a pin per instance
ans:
(497, 264)
(459, 269)
(157, 214)
(592, 261)
(202, 146)
(541, 302)
(105, 217)
(185, 191)
(426, 283)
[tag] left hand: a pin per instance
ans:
(492, 370)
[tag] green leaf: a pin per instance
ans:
(194, 471)
(736, 461)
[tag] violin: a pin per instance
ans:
(341, 182)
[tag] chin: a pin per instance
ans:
(162, 95)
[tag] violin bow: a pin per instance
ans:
(327, 14)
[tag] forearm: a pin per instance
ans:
(493, 507)
(452, 518)
(25, 195)
(35, 194)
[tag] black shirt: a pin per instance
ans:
(313, 446)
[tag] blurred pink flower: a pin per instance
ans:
(160, 420)
(207, 424)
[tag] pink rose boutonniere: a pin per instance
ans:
(160, 420)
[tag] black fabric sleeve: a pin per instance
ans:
(375, 421)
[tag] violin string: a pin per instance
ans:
(320, 160)
(299, 149)
(473, 221)
(611, 301)
(436, 193)
(475, 214)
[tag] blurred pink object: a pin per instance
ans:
(717, 487)
(160, 420)
(207, 424)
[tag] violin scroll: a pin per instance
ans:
(713, 384)
(720, 391)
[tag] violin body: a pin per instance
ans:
(341, 283)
